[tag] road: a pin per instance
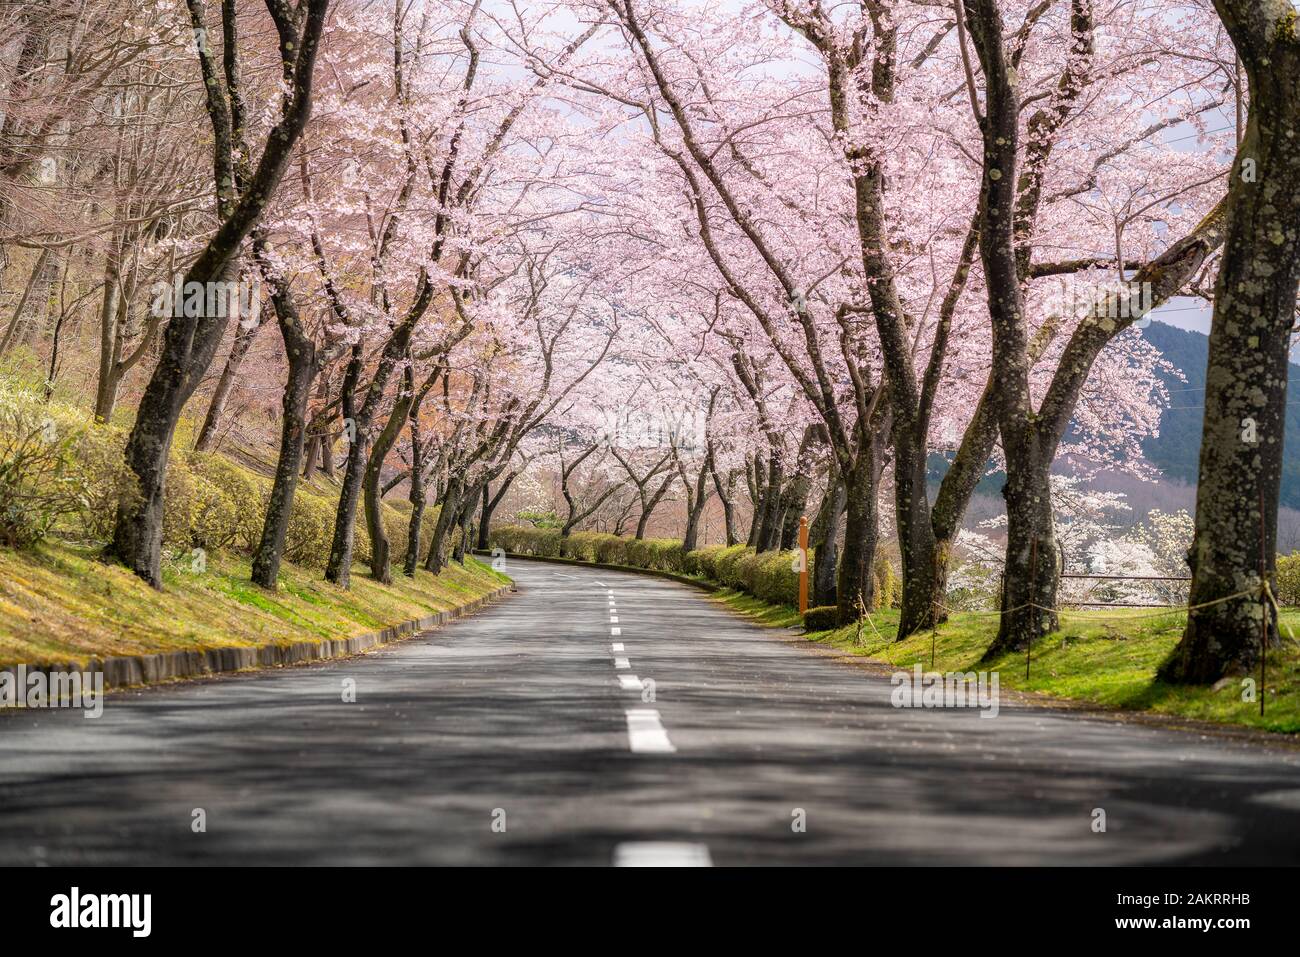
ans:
(506, 738)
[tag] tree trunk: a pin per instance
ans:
(1029, 592)
(490, 506)
(958, 485)
(380, 562)
(106, 386)
(728, 506)
(226, 385)
(1032, 571)
(757, 496)
(397, 346)
(416, 494)
(1234, 551)
(188, 347)
(310, 457)
(466, 513)
(769, 532)
(338, 569)
(485, 515)
(916, 542)
(823, 538)
(794, 503)
(649, 505)
(861, 528)
(415, 530)
(695, 508)
(327, 465)
(301, 353)
(436, 560)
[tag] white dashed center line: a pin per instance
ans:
(645, 735)
(661, 854)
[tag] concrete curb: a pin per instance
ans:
(658, 573)
(134, 670)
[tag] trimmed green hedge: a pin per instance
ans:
(769, 576)
(821, 618)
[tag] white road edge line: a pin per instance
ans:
(616, 646)
(616, 631)
(622, 664)
(645, 735)
(661, 854)
(629, 682)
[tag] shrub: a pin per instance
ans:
(887, 591)
(105, 480)
(248, 493)
(661, 554)
(582, 546)
(214, 516)
(821, 618)
(703, 561)
(178, 506)
(519, 540)
(1288, 579)
(726, 565)
(611, 550)
(769, 576)
(774, 578)
(38, 486)
(311, 528)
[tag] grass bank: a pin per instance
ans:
(59, 603)
(1106, 658)
(62, 480)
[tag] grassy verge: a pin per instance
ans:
(1107, 658)
(58, 603)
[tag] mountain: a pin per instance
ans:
(1176, 450)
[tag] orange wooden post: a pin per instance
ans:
(803, 564)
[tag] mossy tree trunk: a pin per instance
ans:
(861, 524)
(303, 358)
(1246, 375)
(823, 538)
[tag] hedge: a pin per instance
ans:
(769, 576)
(211, 502)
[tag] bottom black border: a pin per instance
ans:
(947, 906)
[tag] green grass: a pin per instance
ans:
(1107, 658)
(59, 603)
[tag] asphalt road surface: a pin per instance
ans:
(601, 718)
